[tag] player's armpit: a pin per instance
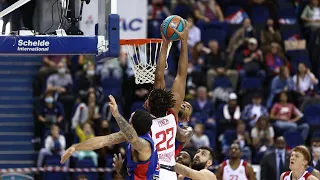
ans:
(183, 135)
(143, 147)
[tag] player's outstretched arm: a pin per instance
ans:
(179, 84)
(93, 144)
(139, 144)
(159, 81)
(193, 174)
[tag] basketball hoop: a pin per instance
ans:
(143, 54)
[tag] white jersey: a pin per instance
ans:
(287, 175)
(163, 133)
(234, 174)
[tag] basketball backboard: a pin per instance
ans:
(105, 44)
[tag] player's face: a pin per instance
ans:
(200, 160)
(235, 151)
(184, 158)
(297, 161)
(185, 111)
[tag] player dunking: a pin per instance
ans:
(165, 106)
(162, 104)
(299, 159)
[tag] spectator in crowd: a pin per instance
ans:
(194, 35)
(276, 162)
(239, 38)
(310, 15)
(196, 75)
(54, 144)
(216, 65)
(93, 108)
(203, 109)
(315, 151)
(197, 56)
(262, 135)
(252, 112)
(287, 117)
(60, 82)
(51, 113)
(282, 82)
(270, 34)
(157, 12)
(244, 140)
(231, 113)
(183, 9)
(199, 138)
(305, 84)
(252, 62)
(81, 114)
(304, 80)
(86, 79)
(275, 59)
(85, 133)
(208, 11)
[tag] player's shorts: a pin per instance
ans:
(165, 174)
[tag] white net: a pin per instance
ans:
(144, 60)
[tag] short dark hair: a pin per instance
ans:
(315, 140)
(160, 100)
(210, 150)
(141, 122)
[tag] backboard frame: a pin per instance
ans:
(105, 44)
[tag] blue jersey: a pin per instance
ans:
(178, 144)
(309, 169)
(147, 170)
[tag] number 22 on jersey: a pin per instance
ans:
(165, 143)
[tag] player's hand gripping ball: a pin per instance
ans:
(170, 23)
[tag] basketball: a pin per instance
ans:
(170, 23)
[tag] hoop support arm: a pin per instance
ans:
(13, 7)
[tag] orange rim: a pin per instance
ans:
(139, 41)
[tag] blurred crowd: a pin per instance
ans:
(252, 77)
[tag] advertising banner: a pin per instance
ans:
(133, 18)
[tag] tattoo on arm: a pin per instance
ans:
(130, 134)
(115, 138)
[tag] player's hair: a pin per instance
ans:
(210, 150)
(141, 122)
(315, 140)
(160, 100)
(304, 151)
